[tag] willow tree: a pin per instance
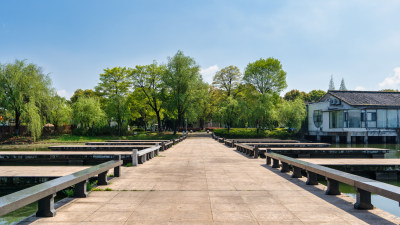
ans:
(180, 78)
(25, 90)
(148, 80)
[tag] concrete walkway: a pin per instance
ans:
(200, 181)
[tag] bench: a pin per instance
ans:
(363, 186)
(248, 150)
(44, 193)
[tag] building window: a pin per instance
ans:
(381, 118)
(317, 117)
(336, 119)
(371, 118)
(354, 118)
(392, 118)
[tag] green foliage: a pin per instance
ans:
(90, 185)
(227, 78)
(69, 192)
(114, 87)
(88, 93)
(87, 113)
(180, 78)
(33, 120)
(294, 94)
(61, 111)
(292, 114)
(280, 133)
(148, 80)
(266, 75)
(316, 95)
(21, 83)
(128, 165)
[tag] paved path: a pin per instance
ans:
(200, 181)
(38, 171)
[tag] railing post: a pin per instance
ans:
(296, 172)
(163, 147)
(134, 157)
(275, 163)
(363, 199)
(117, 169)
(256, 152)
(80, 190)
(333, 187)
(268, 160)
(46, 207)
(312, 178)
(285, 167)
(102, 178)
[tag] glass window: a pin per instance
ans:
(371, 118)
(392, 118)
(336, 119)
(381, 118)
(317, 117)
(354, 118)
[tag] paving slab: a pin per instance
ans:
(201, 181)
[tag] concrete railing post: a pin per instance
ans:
(102, 178)
(134, 157)
(275, 163)
(333, 187)
(46, 206)
(80, 190)
(285, 167)
(312, 178)
(117, 169)
(256, 152)
(363, 199)
(296, 172)
(268, 160)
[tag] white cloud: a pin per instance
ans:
(392, 81)
(64, 93)
(208, 73)
(360, 88)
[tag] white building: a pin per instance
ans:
(355, 116)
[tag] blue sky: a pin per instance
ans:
(73, 41)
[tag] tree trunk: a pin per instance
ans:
(158, 120)
(17, 122)
(174, 127)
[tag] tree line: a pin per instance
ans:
(167, 95)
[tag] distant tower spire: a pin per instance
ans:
(331, 84)
(343, 86)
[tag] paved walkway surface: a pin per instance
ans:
(200, 181)
(39, 171)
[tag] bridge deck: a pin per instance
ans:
(38, 171)
(201, 181)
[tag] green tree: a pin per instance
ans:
(331, 84)
(60, 112)
(180, 77)
(292, 114)
(87, 113)
(34, 122)
(227, 78)
(390, 90)
(140, 113)
(266, 75)
(148, 79)
(114, 85)
(342, 86)
(316, 95)
(83, 93)
(21, 84)
(293, 94)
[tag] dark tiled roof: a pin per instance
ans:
(371, 98)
